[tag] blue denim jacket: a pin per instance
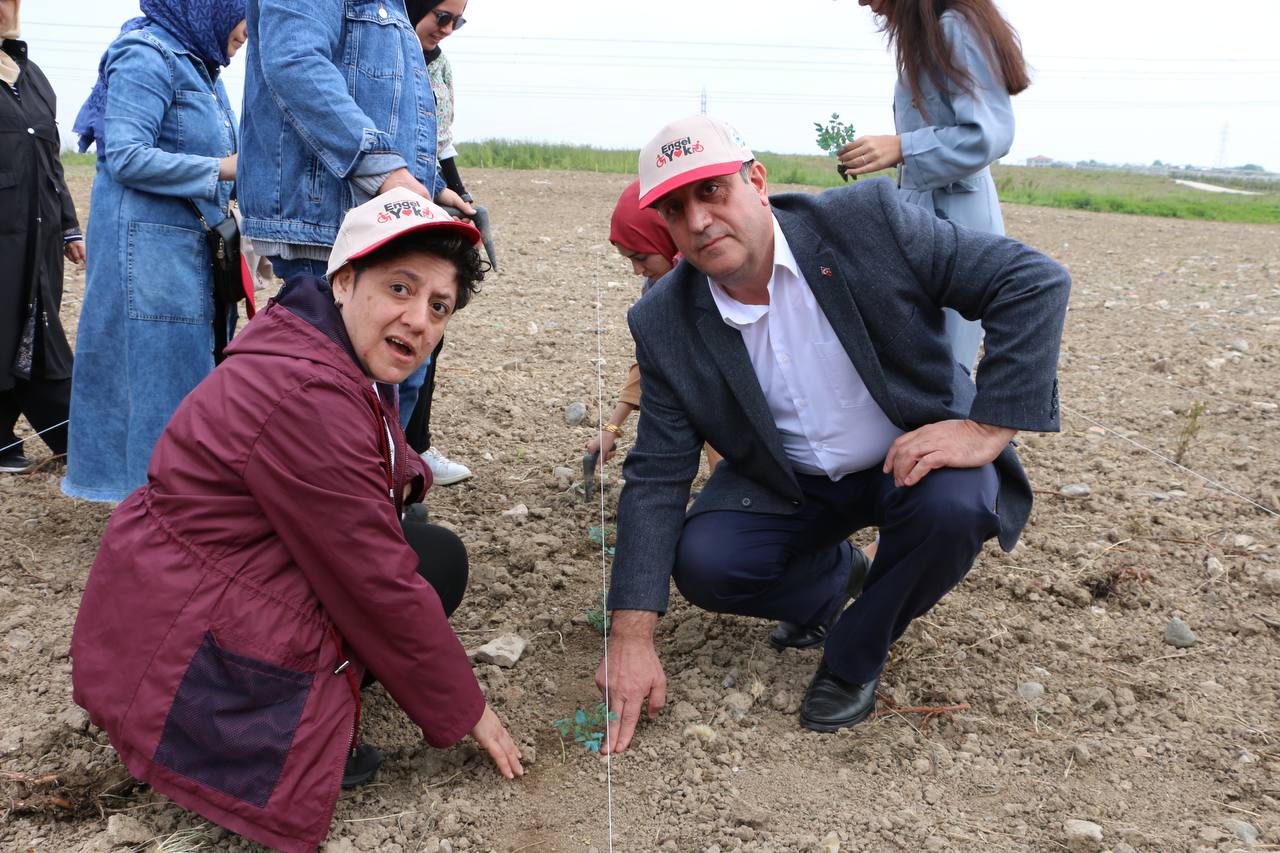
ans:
(145, 337)
(335, 90)
(167, 126)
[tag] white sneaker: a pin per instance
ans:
(444, 472)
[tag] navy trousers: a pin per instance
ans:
(795, 568)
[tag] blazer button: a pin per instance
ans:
(746, 501)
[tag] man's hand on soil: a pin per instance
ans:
(634, 675)
(494, 738)
(945, 444)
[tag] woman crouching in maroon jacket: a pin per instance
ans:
(241, 595)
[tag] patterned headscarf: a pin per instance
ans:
(638, 229)
(201, 26)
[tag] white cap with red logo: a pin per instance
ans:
(688, 150)
(388, 217)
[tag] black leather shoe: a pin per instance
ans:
(789, 635)
(362, 766)
(831, 703)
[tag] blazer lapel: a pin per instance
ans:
(821, 271)
(730, 355)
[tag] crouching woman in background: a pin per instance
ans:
(239, 597)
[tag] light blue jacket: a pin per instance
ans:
(145, 337)
(335, 90)
(947, 148)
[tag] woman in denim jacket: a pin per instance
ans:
(337, 109)
(165, 137)
(959, 62)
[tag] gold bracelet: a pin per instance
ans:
(613, 428)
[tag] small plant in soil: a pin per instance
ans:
(1190, 430)
(585, 727)
(604, 536)
(597, 616)
(833, 136)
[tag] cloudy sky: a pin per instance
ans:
(1182, 81)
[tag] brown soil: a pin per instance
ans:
(1164, 748)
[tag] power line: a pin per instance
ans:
(763, 46)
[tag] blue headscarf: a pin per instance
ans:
(200, 26)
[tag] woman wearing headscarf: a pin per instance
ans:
(38, 227)
(959, 62)
(166, 144)
(640, 236)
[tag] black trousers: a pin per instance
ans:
(795, 567)
(45, 402)
(442, 562)
(418, 432)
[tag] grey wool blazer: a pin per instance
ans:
(881, 270)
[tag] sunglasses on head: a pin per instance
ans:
(443, 19)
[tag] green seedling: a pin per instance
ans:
(597, 616)
(602, 536)
(586, 727)
(832, 137)
(1190, 430)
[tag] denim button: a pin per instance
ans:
(382, 13)
(746, 501)
(31, 130)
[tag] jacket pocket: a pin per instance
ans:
(168, 274)
(232, 722)
(374, 35)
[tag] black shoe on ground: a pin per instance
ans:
(13, 462)
(831, 703)
(789, 635)
(362, 766)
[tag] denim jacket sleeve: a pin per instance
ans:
(982, 129)
(140, 91)
(296, 42)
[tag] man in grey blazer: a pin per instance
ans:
(803, 337)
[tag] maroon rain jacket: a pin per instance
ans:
(263, 552)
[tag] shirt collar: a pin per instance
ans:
(739, 314)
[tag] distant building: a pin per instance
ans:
(1040, 160)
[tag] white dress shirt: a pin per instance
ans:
(827, 419)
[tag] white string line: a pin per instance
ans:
(604, 583)
(1164, 458)
(28, 438)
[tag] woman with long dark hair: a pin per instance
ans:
(959, 61)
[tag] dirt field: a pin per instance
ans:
(1078, 708)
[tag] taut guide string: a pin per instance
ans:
(22, 441)
(604, 567)
(1164, 458)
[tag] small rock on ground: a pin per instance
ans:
(503, 651)
(1179, 634)
(1076, 490)
(575, 413)
(1082, 836)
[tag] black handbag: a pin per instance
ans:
(229, 286)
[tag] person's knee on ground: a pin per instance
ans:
(442, 561)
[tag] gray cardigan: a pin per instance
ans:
(948, 146)
(880, 270)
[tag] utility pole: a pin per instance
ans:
(1222, 149)
(704, 100)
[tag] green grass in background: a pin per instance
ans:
(1113, 191)
(1105, 190)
